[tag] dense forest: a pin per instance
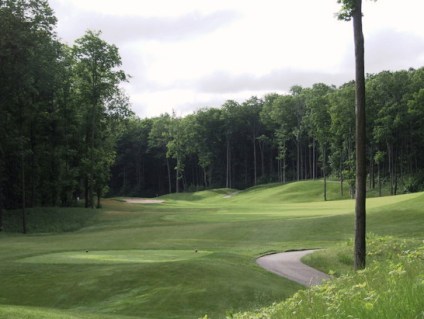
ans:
(61, 111)
(305, 134)
(67, 131)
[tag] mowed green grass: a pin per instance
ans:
(140, 261)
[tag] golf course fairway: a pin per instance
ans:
(192, 255)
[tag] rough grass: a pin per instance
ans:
(235, 230)
(49, 219)
(391, 286)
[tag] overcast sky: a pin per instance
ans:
(187, 54)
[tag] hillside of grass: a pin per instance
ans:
(190, 256)
(391, 286)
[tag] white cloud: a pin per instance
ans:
(188, 54)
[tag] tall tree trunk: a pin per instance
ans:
(341, 176)
(99, 196)
(254, 160)
(395, 186)
(379, 180)
(227, 181)
(324, 168)
(124, 182)
(177, 179)
(86, 203)
(280, 179)
(24, 224)
(1, 198)
(310, 160)
(297, 160)
(360, 204)
(1, 209)
(372, 169)
(261, 150)
(314, 163)
(390, 158)
(169, 176)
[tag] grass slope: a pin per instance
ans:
(39, 272)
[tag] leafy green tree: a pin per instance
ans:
(280, 115)
(388, 95)
(159, 137)
(98, 82)
(176, 148)
(300, 129)
(26, 51)
(207, 140)
(342, 132)
(415, 105)
(252, 108)
(232, 122)
(318, 120)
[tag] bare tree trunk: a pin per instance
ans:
(314, 164)
(177, 180)
(280, 180)
(24, 225)
(341, 176)
(298, 160)
(227, 181)
(372, 177)
(99, 196)
(324, 168)
(86, 202)
(1, 200)
(360, 204)
(261, 150)
(169, 176)
(390, 157)
(254, 160)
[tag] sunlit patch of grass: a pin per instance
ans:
(116, 256)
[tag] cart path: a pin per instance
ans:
(288, 265)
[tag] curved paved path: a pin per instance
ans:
(288, 265)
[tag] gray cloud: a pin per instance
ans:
(121, 29)
(278, 80)
(393, 50)
(165, 29)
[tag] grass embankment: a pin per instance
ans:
(392, 286)
(102, 269)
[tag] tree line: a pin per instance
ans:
(308, 133)
(61, 111)
(67, 131)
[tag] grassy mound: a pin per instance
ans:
(295, 192)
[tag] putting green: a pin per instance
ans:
(116, 256)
